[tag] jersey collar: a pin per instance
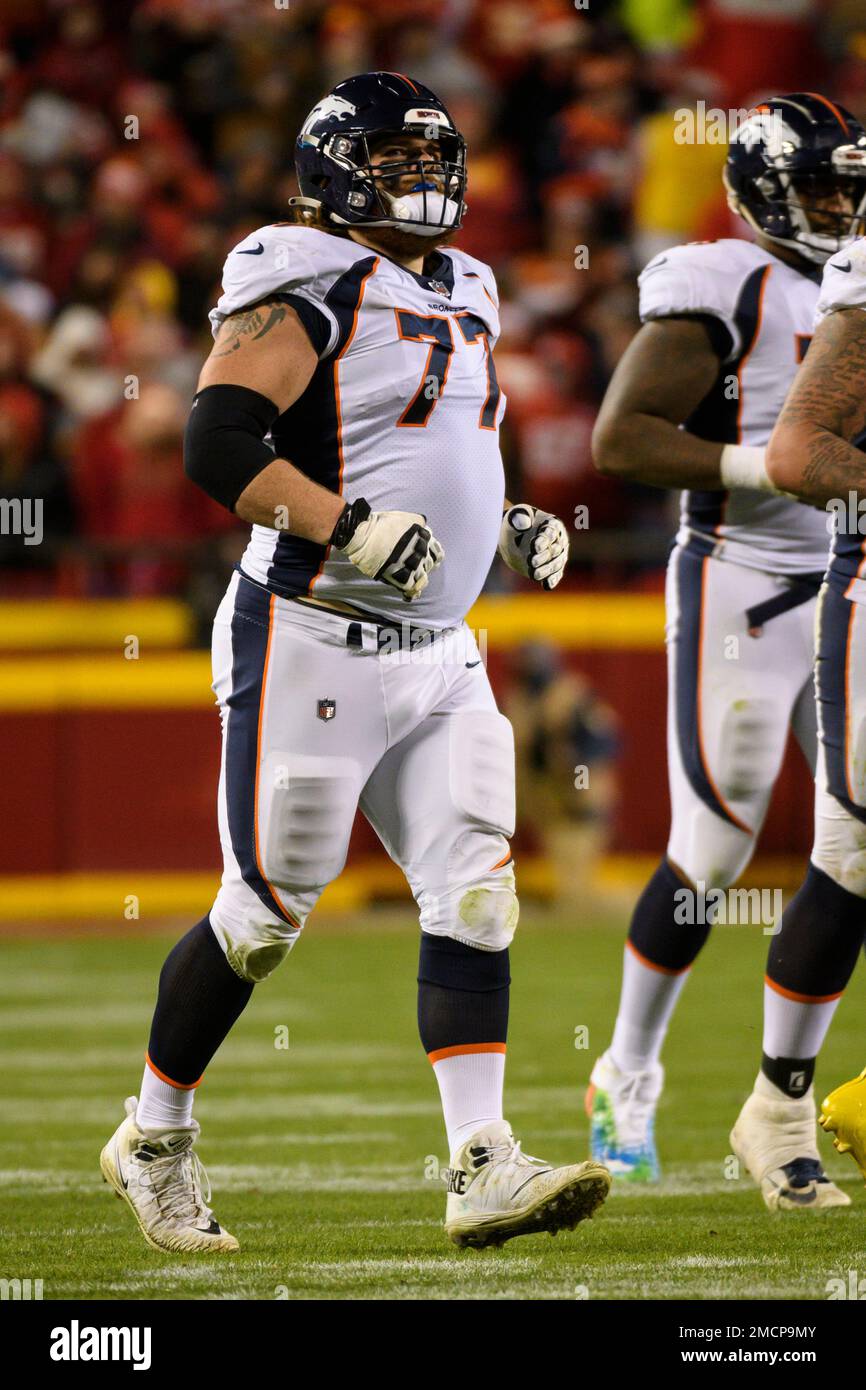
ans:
(440, 273)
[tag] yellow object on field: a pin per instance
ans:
(843, 1114)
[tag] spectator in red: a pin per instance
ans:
(130, 487)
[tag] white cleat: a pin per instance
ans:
(496, 1192)
(776, 1137)
(161, 1178)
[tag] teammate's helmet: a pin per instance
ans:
(789, 155)
(334, 150)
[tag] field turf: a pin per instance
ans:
(323, 1154)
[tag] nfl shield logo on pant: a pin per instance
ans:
(327, 709)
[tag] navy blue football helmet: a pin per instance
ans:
(790, 155)
(337, 142)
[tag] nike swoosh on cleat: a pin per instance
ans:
(256, 251)
(120, 1170)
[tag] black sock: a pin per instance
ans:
(812, 958)
(793, 1075)
(200, 998)
(462, 994)
(665, 927)
(814, 954)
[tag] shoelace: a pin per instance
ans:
(180, 1186)
(509, 1149)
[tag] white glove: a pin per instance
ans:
(395, 547)
(534, 544)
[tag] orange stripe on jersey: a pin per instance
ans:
(801, 998)
(860, 571)
(501, 863)
(651, 965)
(343, 350)
(831, 107)
(741, 825)
(178, 1086)
(464, 1050)
(747, 354)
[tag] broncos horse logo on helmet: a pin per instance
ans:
(334, 150)
(789, 162)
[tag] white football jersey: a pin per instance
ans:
(403, 409)
(767, 308)
(844, 287)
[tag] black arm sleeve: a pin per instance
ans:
(224, 448)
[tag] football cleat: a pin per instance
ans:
(621, 1107)
(843, 1114)
(775, 1136)
(496, 1192)
(161, 1178)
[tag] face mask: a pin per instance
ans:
(425, 202)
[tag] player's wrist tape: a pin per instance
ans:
(348, 521)
(743, 465)
(224, 448)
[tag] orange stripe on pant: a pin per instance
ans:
(464, 1050)
(651, 965)
(178, 1085)
(801, 998)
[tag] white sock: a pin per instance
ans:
(647, 1000)
(162, 1106)
(470, 1085)
(794, 1028)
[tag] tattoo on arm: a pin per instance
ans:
(248, 326)
(826, 407)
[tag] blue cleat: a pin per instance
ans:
(621, 1107)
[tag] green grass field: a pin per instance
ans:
(320, 1154)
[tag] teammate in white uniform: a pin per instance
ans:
(365, 355)
(816, 453)
(726, 325)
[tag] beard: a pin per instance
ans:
(400, 245)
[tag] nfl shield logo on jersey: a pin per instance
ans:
(327, 709)
(439, 288)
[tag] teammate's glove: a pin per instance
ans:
(395, 547)
(534, 544)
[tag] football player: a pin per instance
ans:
(814, 454)
(692, 404)
(362, 351)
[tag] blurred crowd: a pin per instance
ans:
(139, 141)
